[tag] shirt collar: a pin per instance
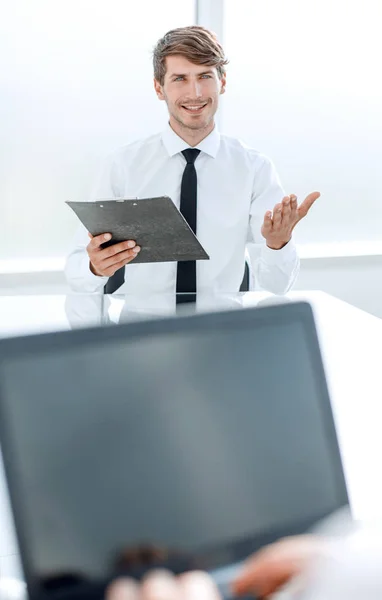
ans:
(175, 144)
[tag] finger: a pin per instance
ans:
(252, 576)
(276, 564)
(267, 224)
(265, 569)
(277, 214)
(123, 589)
(293, 208)
(286, 211)
(119, 265)
(116, 249)
(197, 586)
(160, 585)
(261, 582)
(305, 206)
(121, 257)
(111, 270)
(97, 240)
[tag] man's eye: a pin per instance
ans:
(206, 76)
(178, 78)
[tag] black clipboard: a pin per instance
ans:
(155, 224)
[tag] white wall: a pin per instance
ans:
(76, 83)
(356, 280)
(304, 87)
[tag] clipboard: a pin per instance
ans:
(155, 224)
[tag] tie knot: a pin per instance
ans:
(190, 155)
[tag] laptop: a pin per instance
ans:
(187, 443)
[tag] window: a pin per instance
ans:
(304, 88)
(76, 83)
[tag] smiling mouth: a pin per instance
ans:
(194, 108)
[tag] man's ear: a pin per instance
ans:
(223, 83)
(159, 90)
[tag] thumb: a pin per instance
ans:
(123, 589)
(305, 206)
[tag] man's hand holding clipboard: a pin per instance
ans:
(144, 230)
(106, 261)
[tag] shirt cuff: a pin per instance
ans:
(277, 257)
(97, 281)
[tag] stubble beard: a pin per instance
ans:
(201, 126)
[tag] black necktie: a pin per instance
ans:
(115, 281)
(186, 271)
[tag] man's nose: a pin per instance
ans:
(195, 89)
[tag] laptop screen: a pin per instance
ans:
(187, 442)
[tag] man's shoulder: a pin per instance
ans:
(240, 149)
(239, 146)
(134, 148)
(248, 157)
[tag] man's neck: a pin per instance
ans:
(193, 137)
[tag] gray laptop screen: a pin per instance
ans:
(197, 439)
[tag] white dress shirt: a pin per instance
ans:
(236, 186)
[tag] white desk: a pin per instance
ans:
(351, 342)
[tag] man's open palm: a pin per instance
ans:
(278, 226)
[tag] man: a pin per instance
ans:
(229, 194)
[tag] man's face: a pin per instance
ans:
(191, 92)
